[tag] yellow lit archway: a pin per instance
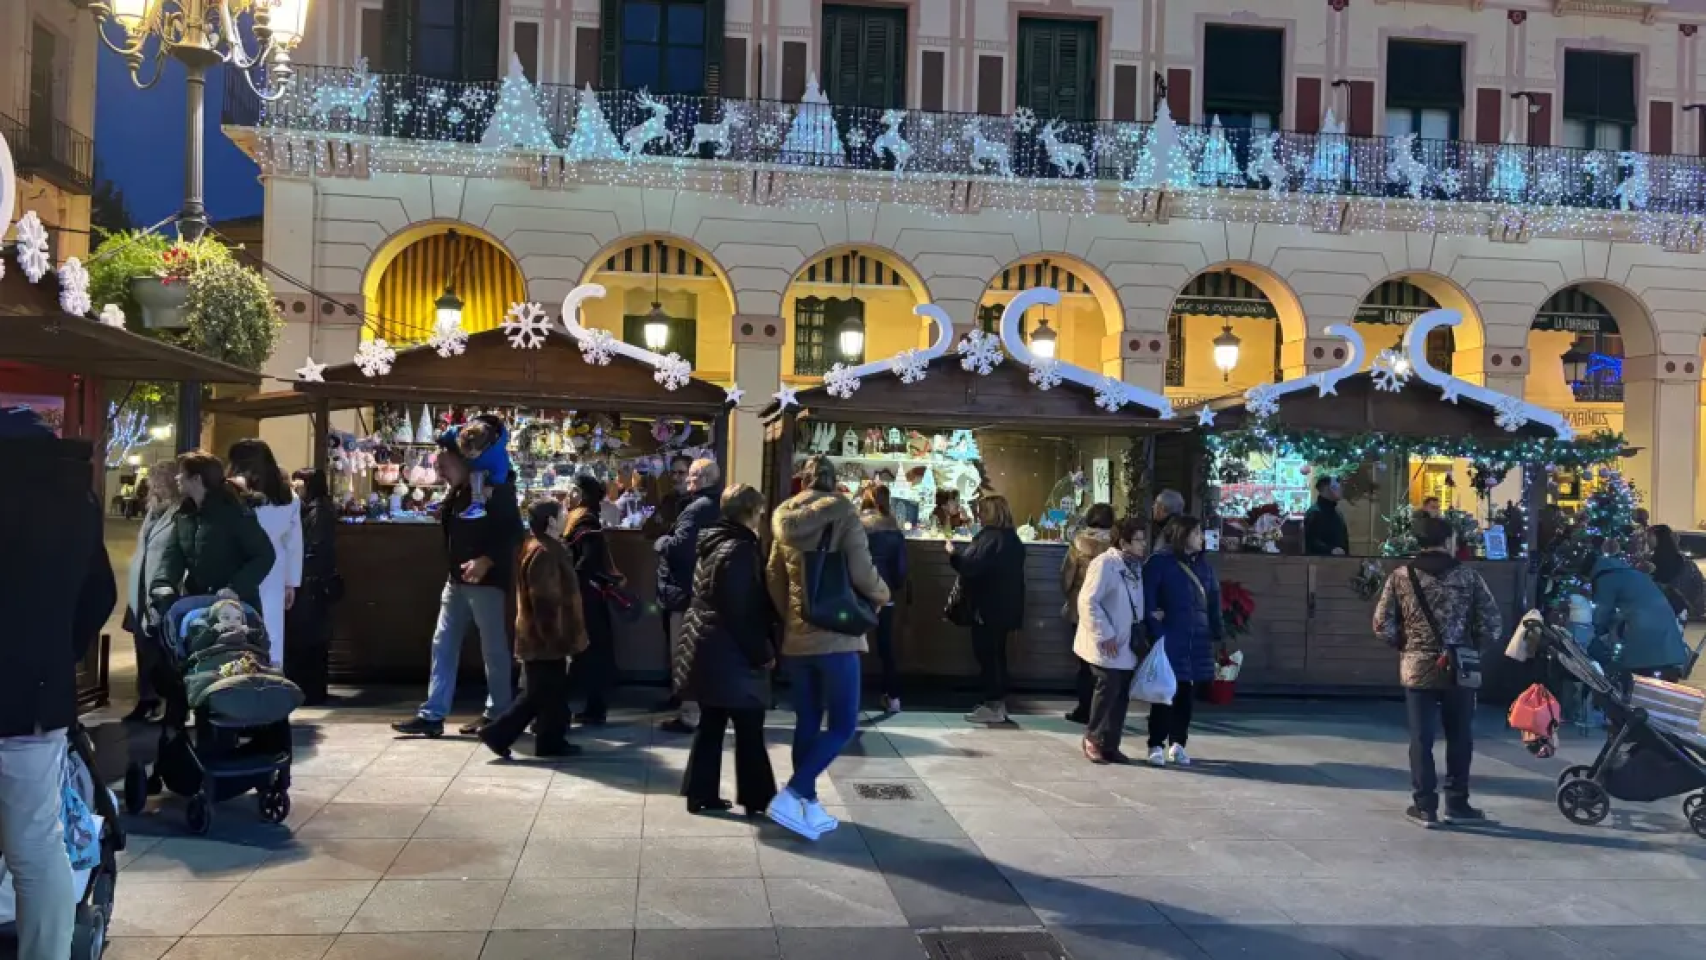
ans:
(414, 268)
(1088, 320)
(692, 293)
(858, 284)
(1251, 302)
(1389, 306)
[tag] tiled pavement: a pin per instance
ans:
(1283, 841)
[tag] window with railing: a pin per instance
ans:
(1056, 75)
(1424, 89)
(817, 333)
(864, 56)
(1599, 100)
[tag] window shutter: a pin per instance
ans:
(481, 40)
(1424, 75)
(1036, 67)
(398, 50)
(1073, 78)
(610, 43)
(883, 68)
(1243, 69)
(1599, 86)
(840, 67)
(715, 16)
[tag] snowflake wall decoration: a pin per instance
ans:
(1024, 120)
(32, 246)
(769, 135)
(455, 116)
(598, 348)
(112, 315)
(673, 372)
(1262, 401)
(840, 382)
(1045, 373)
(374, 358)
(526, 326)
(435, 97)
(402, 108)
(1391, 370)
(1110, 395)
(74, 288)
(855, 138)
(980, 352)
(1512, 414)
(448, 339)
(910, 365)
(473, 98)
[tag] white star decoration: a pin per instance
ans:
(732, 394)
(1205, 416)
(311, 372)
(786, 398)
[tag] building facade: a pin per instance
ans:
(1178, 170)
(47, 114)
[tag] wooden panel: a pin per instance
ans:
(734, 67)
(1489, 114)
(1660, 123)
(1361, 96)
(1125, 91)
(793, 70)
(1540, 121)
(1307, 117)
(1179, 94)
(586, 57)
(931, 94)
(1039, 654)
(990, 85)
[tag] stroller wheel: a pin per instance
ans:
(1573, 773)
(198, 814)
(1697, 821)
(275, 805)
(89, 935)
(1692, 805)
(135, 789)
(1584, 802)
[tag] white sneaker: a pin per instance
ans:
(891, 705)
(1176, 754)
(819, 819)
(985, 713)
(1157, 757)
(788, 810)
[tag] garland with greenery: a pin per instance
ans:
(1342, 453)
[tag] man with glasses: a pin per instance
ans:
(677, 552)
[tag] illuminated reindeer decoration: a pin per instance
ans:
(653, 128)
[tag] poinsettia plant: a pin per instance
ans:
(176, 264)
(1237, 605)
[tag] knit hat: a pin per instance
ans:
(22, 423)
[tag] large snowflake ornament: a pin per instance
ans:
(910, 365)
(473, 98)
(673, 372)
(1045, 373)
(74, 288)
(980, 352)
(1110, 394)
(374, 358)
(1024, 120)
(598, 347)
(1391, 371)
(840, 381)
(1512, 414)
(402, 108)
(448, 339)
(435, 97)
(526, 326)
(1262, 400)
(32, 246)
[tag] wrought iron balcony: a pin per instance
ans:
(1552, 185)
(47, 149)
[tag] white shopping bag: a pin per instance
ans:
(1154, 681)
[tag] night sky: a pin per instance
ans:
(139, 145)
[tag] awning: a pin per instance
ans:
(94, 349)
(276, 403)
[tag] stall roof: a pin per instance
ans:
(273, 403)
(1357, 407)
(950, 397)
(82, 346)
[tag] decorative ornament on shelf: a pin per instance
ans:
(814, 140)
(448, 338)
(1402, 166)
(74, 288)
(374, 358)
(592, 139)
(650, 130)
(673, 372)
(840, 381)
(311, 372)
(526, 325)
(112, 315)
(424, 431)
(598, 347)
(517, 120)
(980, 352)
(891, 142)
(32, 246)
(1391, 371)
(1045, 373)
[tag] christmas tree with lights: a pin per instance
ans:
(1605, 526)
(1510, 180)
(592, 139)
(1163, 163)
(516, 121)
(1219, 167)
(813, 139)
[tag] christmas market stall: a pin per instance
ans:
(941, 425)
(1254, 476)
(580, 403)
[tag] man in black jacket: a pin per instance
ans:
(56, 590)
(482, 552)
(1324, 530)
(676, 552)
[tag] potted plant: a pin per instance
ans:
(162, 295)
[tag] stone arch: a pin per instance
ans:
(1467, 341)
(1089, 319)
(866, 280)
(1258, 306)
(413, 266)
(690, 286)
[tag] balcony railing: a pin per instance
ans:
(48, 149)
(1030, 151)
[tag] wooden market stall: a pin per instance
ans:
(1050, 452)
(393, 562)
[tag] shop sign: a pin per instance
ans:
(1388, 316)
(1224, 307)
(1570, 323)
(1590, 420)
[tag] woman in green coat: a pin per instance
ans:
(216, 543)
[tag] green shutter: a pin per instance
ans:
(863, 62)
(1057, 68)
(398, 17)
(715, 17)
(480, 40)
(609, 44)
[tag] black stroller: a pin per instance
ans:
(1642, 761)
(204, 755)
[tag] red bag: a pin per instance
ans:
(1536, 714)
(1220, 692)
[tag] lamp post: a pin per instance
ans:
(201, 34)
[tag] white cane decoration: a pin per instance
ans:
(672, 371)
(909, 365)
(1263, 399)
(1018, 350)
(1509, 407)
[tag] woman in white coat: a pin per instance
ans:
(253, 467)
(1110, 637)
(157, 528)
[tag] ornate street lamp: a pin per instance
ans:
(1226, 352)
(1043, 339)
(851, 335)
(655, 330)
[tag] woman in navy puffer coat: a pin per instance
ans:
(1183, 599)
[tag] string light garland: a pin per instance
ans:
(1232, 448)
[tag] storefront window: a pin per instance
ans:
(817, 328)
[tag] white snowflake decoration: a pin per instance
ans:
(435, 97)
(448, 339)
(598, 348)
(374, 358)
(473, 98)
(840, 382)
(526, 326)
(1262, 401)
(402, 108)
(112, 315)
(855, 138)
(454, 116)
(769, 135)
(1450, 181)
(1110, 395)
(1391, 370)
(980, 352)
(1024, 120)
(1512, 414)
(1045, 373)
(673, 372)
(74, 288)
(910, 366)
(32, 246)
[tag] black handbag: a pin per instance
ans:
(830, 602)
(1463, 662)
(959, 610)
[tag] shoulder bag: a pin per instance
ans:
(1462, 661)
(622, 602)
(829, 601)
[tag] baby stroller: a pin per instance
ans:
(94, 837)
(1642, 760)
(235, 738)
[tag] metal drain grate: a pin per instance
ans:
(884, 791)
(993, 946)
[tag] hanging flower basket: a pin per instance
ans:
(162, 301)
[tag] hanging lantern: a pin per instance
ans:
(1043, 340)
(852, 337)
(447, 310)
(656, 330)
(1226, 352)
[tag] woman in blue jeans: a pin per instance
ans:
(823, 664)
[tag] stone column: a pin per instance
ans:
(757, 342)
(1312, 355)
(1661, 404)
(1137, 357)
(1504, 369)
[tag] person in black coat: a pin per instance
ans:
(677, 552)
(308, 622)
(726, 658)
(888, 553)
(56, 590)
(1324, 530)
(992, 582)
(593, 673)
